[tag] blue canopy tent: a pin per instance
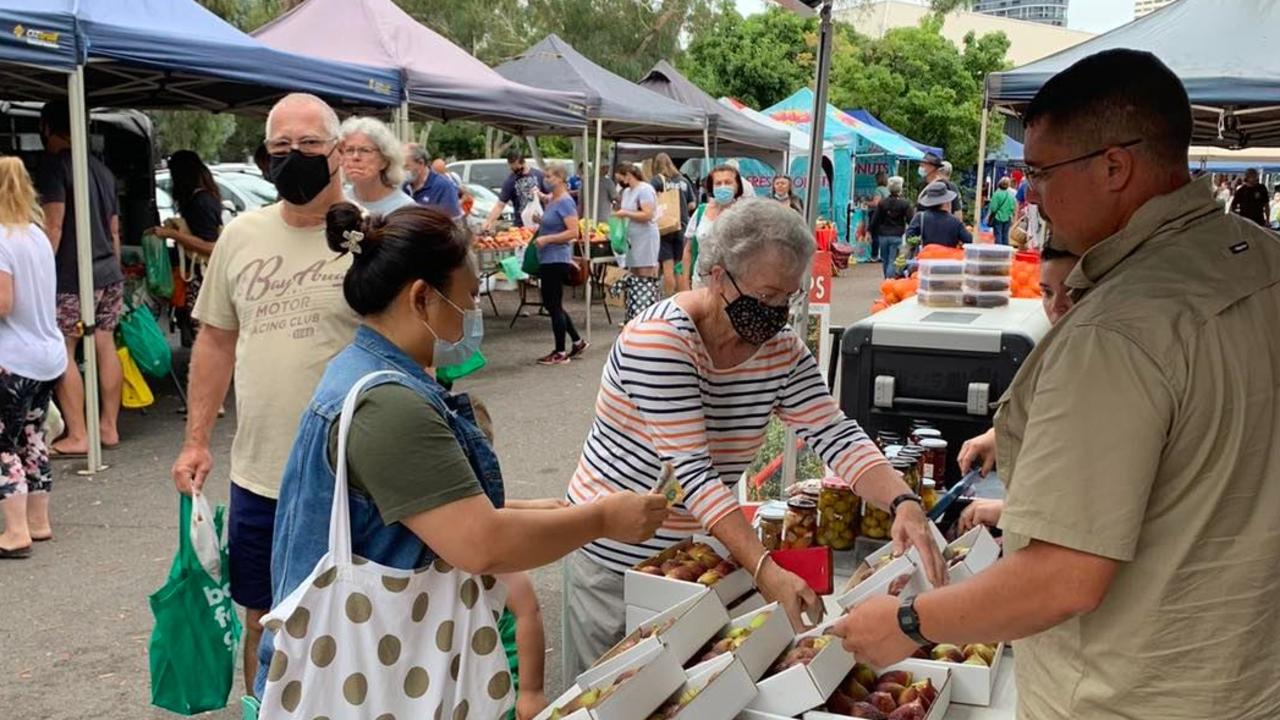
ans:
(856, 145)
(153, 54)
(866, 117)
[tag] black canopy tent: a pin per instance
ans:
(1235, 95)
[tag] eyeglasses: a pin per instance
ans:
(777, 301)
(1036, 175)
(307, 146)
(364, 151)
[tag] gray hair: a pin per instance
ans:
(895, 185)
(328, 116)
(386, 142)
(752, 227)
(557, 169)
(417, 153)
(945, 169)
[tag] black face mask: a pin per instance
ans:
(755, 322)
(300, 178)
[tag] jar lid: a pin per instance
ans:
(834, 482)
(772, 510)
(929, 483)
(927, 432)
(912, 451)
(933, 443)
(801, 502)
(900, 463)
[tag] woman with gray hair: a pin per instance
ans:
(373, 164)
(689, 388)
(889, 223)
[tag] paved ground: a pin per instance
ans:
(74, 620)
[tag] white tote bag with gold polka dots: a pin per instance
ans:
(359, 640)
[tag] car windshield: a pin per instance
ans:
(480, 192)
(252, 185)
(490, 175)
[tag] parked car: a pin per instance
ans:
(491, 173)
(237, 197)
(485, 199)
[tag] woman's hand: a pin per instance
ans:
(621, 213)
(529, 703)
(911, 528)
(980, 512)
(163, 232)
(631, 517)
(981, 449)
(791, 592)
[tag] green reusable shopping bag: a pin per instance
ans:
(155, 256)
(531, 264)
(511, 268)
(146, 342)
(453, 373)
(196, 634)
(618, 235)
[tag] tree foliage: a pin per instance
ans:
(759, 60)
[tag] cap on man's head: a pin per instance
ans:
(931, 158)
(936, 193)
(56, 116)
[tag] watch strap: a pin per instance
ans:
(904, 497)
(909, 621)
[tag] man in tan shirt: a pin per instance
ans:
(272, 308)
(1140, 442)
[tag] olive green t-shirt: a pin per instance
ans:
(401, 452)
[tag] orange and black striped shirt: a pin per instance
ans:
(662, 401)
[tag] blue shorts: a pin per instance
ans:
(252, 522)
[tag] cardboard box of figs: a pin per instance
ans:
(971, 553)
(630, 692)
(683, 629)
(717, 690)
(973, 669)
(897, 692)
(757, 639)
(804, 676)
(897, 577)
(682, 571)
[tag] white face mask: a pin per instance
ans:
(446, 353)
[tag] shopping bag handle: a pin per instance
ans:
(340, 513)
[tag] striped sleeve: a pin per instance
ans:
(806, 406)
(657, 376)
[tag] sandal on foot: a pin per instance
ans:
(15, 553)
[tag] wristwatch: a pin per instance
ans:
(909, 621)
(904, 497)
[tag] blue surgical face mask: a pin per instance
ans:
(723, 194)
(446, 353)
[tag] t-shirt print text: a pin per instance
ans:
(275, 300)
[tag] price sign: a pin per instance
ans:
(820, 279)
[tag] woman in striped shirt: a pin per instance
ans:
(691, 383)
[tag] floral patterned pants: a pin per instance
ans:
(24, 457)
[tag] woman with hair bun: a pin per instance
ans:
(426, 488)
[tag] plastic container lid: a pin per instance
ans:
(940, 267)
(940, 298)
(988, 268)
(989, 252)
(772, 510)
(941, 283)
(986, 299)
(986, 283)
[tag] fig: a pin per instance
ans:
(865, 676)
(897, 677)
(910, 711)
(840, 703)
(986, 652)
(883, 701)
(709, 578)
(946, 652)
(759, 620)
(975, 660)
(899, 584)
(685, 573)
(867, 711)
(726, 568)
(738, 632)
(855, 689)
(928, 693)
(908, 694)
(892, 688)
(921, 653)
(669, 565)
(722, 646)
(650, 569)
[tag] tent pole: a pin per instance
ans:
(406, 128)
(585, 191)
(706, 152)
(595, 206)
(84, 261)
(982, 162)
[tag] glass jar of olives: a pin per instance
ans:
(771, 517)
(800, 527)
(887, 438)
(928, 494)
(837, 514)
(909, 466)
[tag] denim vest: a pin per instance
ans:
(306, 492)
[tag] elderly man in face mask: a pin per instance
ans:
(1138, 441)
(428, 187)
(934, 169)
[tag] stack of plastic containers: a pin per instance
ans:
(988, 275)
(941, 283)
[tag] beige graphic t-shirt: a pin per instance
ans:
(281, 288)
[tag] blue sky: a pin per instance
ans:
(1095, 16)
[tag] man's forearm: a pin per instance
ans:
(1024, 593)
(212, 362)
